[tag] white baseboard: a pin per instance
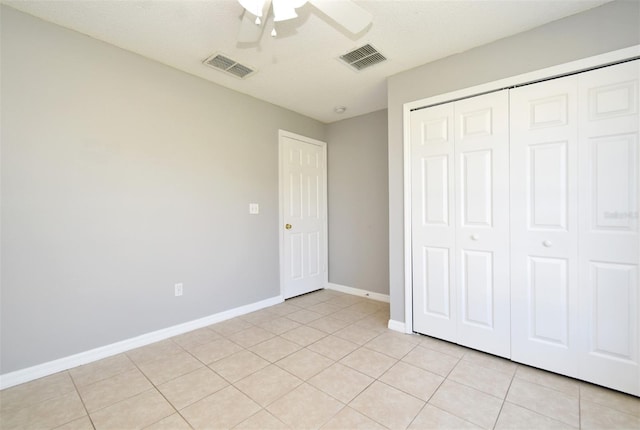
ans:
(358, 292)
(45, 369)
(397, 326)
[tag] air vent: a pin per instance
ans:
(363, 57)
(226, 64)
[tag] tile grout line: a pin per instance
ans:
(426, 402)
(504, 400)
(580, 405)
(539, 412)
(157, 390)
(75, 386)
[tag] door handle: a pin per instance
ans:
(475, 237)
(547, 243)
(288, 226)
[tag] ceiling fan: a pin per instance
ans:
(344, 12)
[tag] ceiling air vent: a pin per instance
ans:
(226, 64)
(363, 57)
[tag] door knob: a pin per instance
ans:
(475, 237)
(288, 226)
(547, 243)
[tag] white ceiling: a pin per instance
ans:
(299, 69)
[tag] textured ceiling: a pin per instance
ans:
(299, 69)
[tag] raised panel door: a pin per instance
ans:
(433, 226)
(544, 253)
(303, 181)
(609, 240)
(482, 222)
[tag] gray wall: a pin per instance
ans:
(358, 202)
(612, 26)
(121, 177)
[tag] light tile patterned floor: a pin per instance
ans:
(323, 360)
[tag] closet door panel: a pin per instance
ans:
(476, 178)
(544, 255)
(482, 222)
(432, 182)
(609, 240)
(477, 296)
(548, 287)
(434, 288)
(547, 193)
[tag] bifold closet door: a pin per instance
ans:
(525, 224)
(575, 244)
(460, 222)
(544, 230)
(433, 221)
(482, 222)
(608, 239)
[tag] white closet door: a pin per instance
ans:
(544, 258)
(432, 178)
(608, 239)
(482, 222)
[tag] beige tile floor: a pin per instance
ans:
(323, 360)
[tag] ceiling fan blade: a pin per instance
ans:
(283, 10)
(253, 6)
(346, 13)
(250, 32)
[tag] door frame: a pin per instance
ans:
(325, 230)
(557, 71)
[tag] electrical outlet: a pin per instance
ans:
(254, 208)
(178, 289)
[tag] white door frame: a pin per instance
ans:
(282, 134)
(538, 75)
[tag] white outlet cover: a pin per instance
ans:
(254, 208)
(178, 289)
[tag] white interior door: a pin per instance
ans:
(303, 214)
(482, 222)
(433, 221)
(460, 222)
(544, 255)
(608, 238)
